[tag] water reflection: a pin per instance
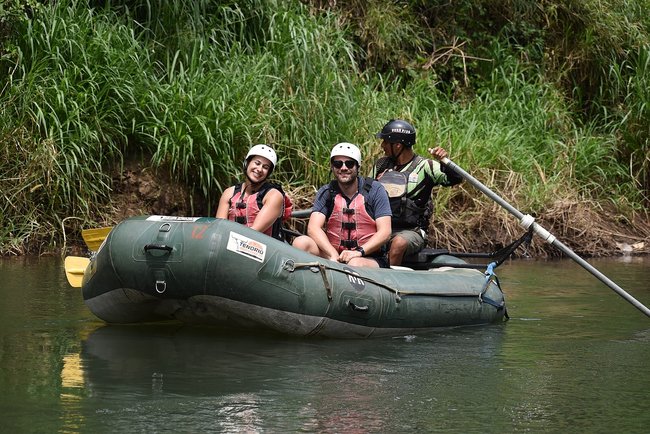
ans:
(245, 383)
(574, 357)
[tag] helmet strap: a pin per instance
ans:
(395, 158)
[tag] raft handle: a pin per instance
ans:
(161, 286)
(155, 246)
(358, 308)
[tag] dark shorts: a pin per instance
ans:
(382, 261)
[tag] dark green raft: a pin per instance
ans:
(213, 271)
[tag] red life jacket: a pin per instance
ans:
(245, 211)
(349, 225)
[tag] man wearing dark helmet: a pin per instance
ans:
(409, 180)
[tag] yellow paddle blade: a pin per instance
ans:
(74, 269)
(95, 237)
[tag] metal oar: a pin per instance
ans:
(526, 221)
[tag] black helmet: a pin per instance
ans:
(398, 131)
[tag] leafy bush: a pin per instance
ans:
(555, 93)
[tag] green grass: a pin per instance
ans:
(189, 86)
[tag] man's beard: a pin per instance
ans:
(350, 181)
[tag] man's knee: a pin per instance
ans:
(398, 244)
(306, 244)
(363, 262)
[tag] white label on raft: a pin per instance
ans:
(246, 246)
(171, 218)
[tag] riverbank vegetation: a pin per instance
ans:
(110, 108)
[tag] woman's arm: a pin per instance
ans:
(224, 203)
(273, 204)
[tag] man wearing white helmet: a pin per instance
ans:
(256, 203)
(350, 221)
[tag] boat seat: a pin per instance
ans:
(424, 257)
(399, 267)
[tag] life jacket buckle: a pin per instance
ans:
(348, 225)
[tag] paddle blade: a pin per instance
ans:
(95, 237)
(74, 269)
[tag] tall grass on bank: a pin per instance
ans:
(90, 86)
(188, 87)
(519, 123)
(630, 116)
(594, 52)
(63, 112)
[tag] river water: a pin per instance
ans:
(574, 357)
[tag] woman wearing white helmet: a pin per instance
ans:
(256, 203)
(350, 221)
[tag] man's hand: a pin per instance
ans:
(346, 255)
(438, 153)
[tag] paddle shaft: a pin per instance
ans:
(526, 221)
(301, 213)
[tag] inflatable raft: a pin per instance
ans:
(214, 271)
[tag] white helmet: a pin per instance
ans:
(262, 151)
(347, 150)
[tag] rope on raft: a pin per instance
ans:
(490, 276)
(292, 266)
(320, 267)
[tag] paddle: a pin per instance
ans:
(75, 265)
(74, 269)
(95, 237)
(526, 221)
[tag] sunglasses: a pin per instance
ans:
(348, 163)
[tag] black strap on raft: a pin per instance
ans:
(502, 255)
(508, 250)
(499, 256)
